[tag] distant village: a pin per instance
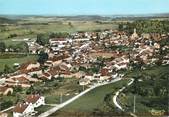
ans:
(90, 57)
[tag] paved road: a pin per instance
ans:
(51, 104)
(56, 108)
(117, 93)
(7, 109)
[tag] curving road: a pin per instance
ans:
(116, 95)
(118, 92)
(56, 108)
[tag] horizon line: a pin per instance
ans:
(87, 14)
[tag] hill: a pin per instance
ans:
(6, 21)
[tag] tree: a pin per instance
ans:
(136, 86)
(5, 103)
(60, 79)
(34, 76)
(94, 69)
(7, 69)
(100, 61)
(147, 26)
(12, 48)
(81, 68)
(18, 89)
(70, 24)
(42, 57)
(59, 35)
(31, 90)
(42, 39)
(12, 35)
(2, 47)
(121, 27)
(22, 47)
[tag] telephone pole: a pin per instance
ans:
(83, 88)
(134, 106)
(61, 95)
(0, 103)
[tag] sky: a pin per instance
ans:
(83, 7)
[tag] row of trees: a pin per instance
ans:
(145, 26)
(20, 47)
(43, 39)
(2, 47)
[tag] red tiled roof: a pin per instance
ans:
(3, 88)
(25, 65)
(104, 72)
(54, 71)
(32, 98)
(57, 58)
(64, 67)
(20, 108)
(31, 70)
(65, 72)
(57, 70)
(21, 79)
(46, 74)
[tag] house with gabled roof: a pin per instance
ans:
(29, 67)
(21, 80)
(36, 100)
(18, 81)
(23, 109)
(26, 109)
(59, 41)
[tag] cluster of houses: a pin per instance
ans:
(147, 48)
(27, 108)
(67, 56)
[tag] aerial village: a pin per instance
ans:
(91, 57)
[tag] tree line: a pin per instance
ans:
(145, 26)
(20, 47)
(153, 89)
(43, 39)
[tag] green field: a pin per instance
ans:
(51, 90)
(93, 100)
(68, 86)
(31, 30)
(42, 109)
(15, 59)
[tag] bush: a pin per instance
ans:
(6, 103)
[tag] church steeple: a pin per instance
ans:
(134, 35)
(135, 31)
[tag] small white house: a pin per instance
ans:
(35, 100)
(58, 41)
(114, 75)
(23, 109)
(84, 81)
(103, 78)
(120, 66)
(2, 80)
(90, 77)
